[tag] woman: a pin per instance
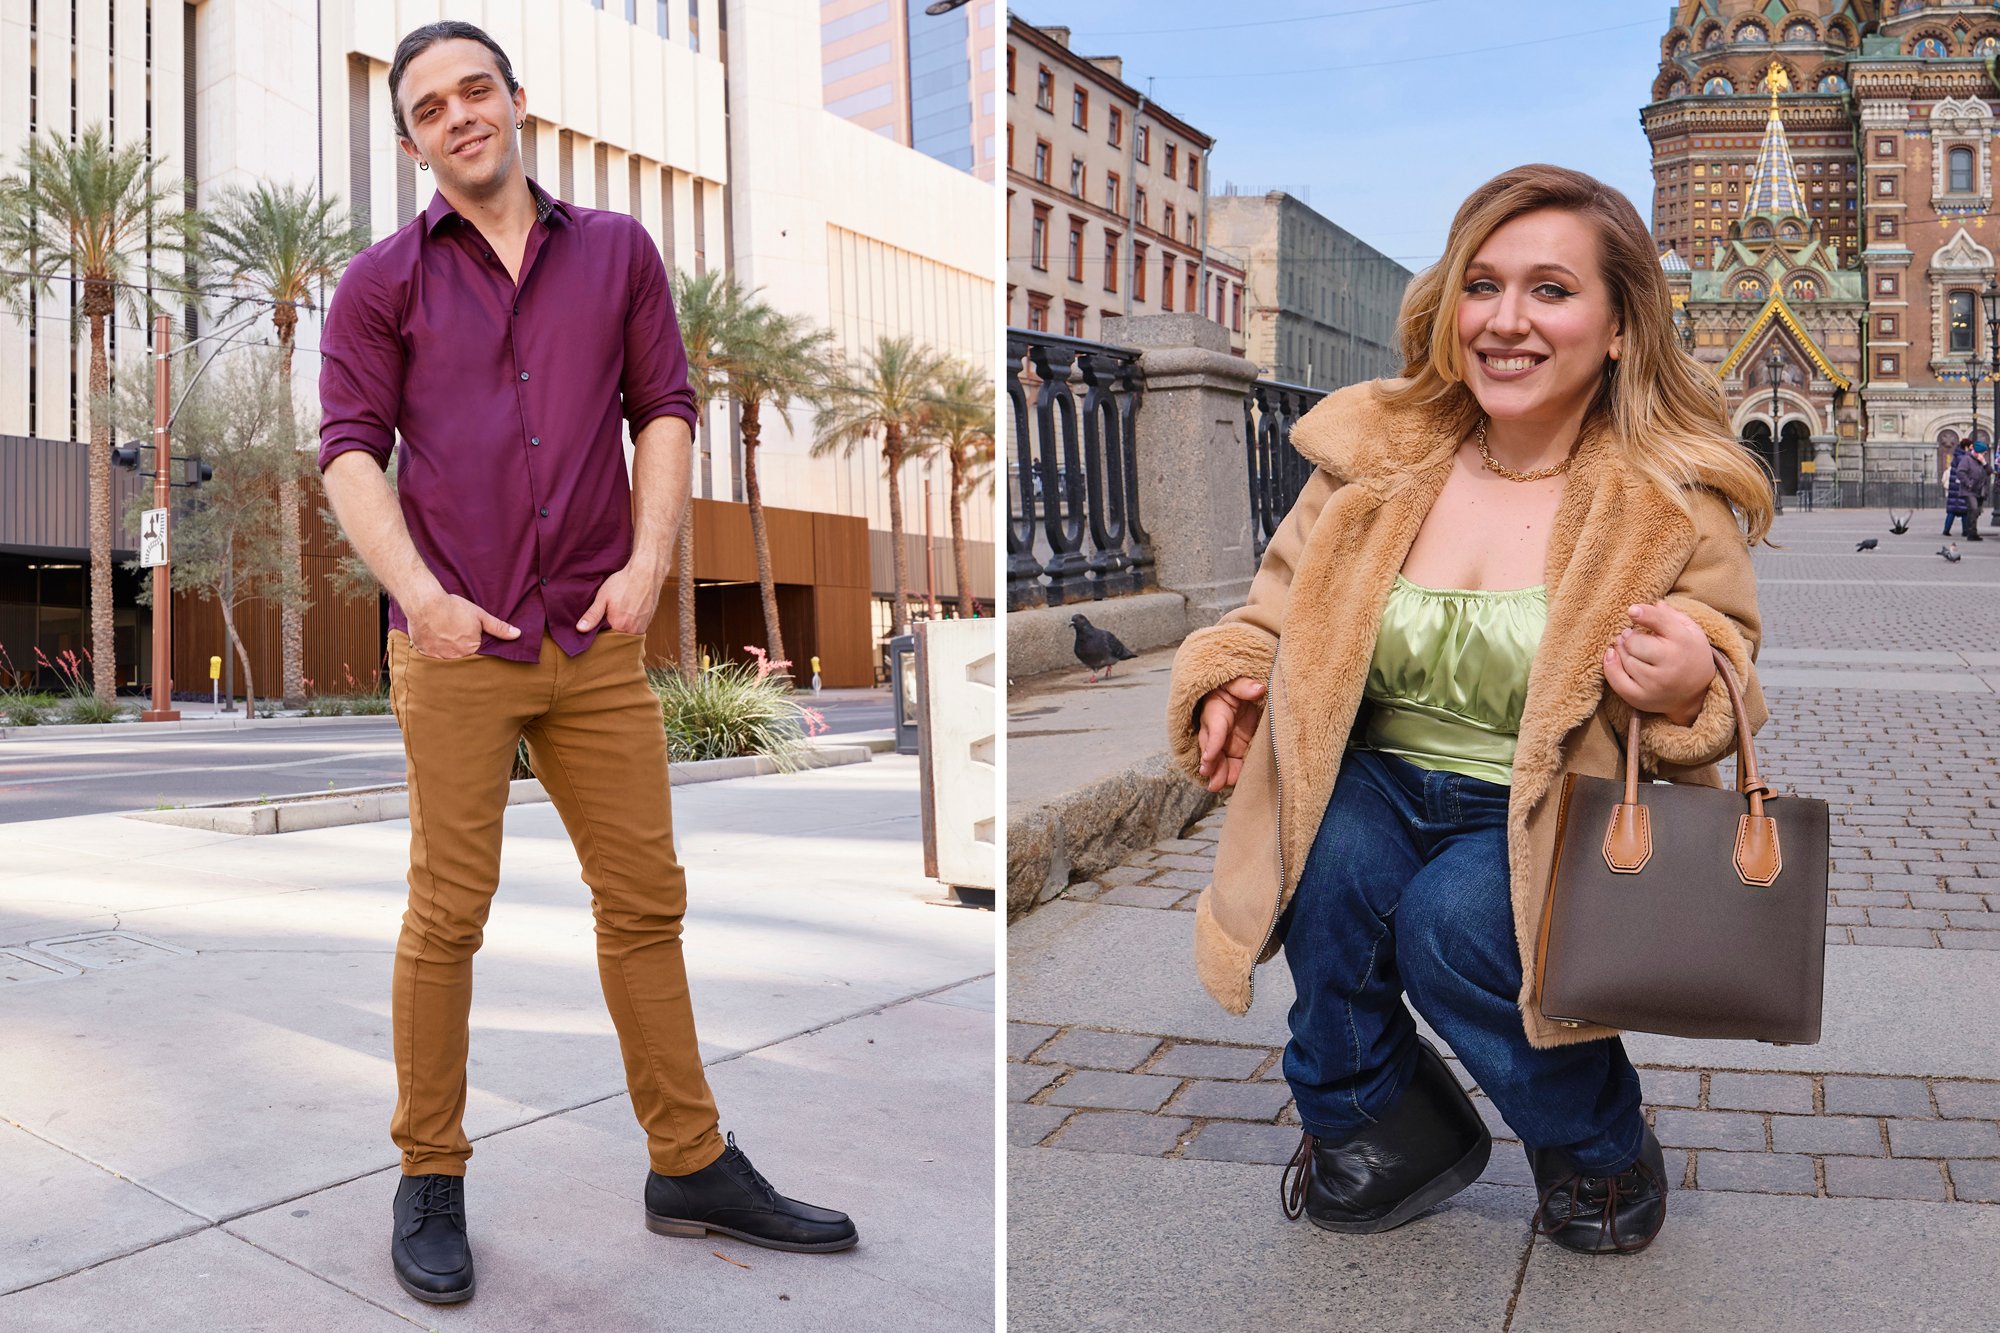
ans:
(1498, 555)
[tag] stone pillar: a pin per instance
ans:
(1194, 485)
(1825, 481)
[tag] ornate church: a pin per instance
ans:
(1823, 201)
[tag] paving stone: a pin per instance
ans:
(1508, 1166)
(1122, 1092)
(1884, 1178)
(1975, 1182)
(1125, 874)
(1670, 1087)
(1710, 1129)
(1944, 1138)
(1496, 1125)
(1850, 916)
(1184, 880)
(1238, 1141)
(1024, 1081)
(1676, 1160)
(1182, 845)
(1141, 895)
(1974, 920)
(1756, 1172)
(1838, 935)
(1906, 916)
(1174, 861)
(1863, 898)
(1121, 1132)
(1029, 1125)
(1847, 1094)
(1237, 1101)
(1968, 1101)
(1086, 1049)
(1894, 937)
(1025, 1037)
(1190, 1060)
(1969, 939)
(1760, 1092)
(1941, 902)
(1852, 1136)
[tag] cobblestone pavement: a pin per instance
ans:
(1882, 671)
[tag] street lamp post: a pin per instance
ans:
(1990, 298)
(163, 709)
(1774, 363)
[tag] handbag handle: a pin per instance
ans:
(1628, 841)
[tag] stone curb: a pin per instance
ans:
(1092, 828)
(369, 805)
(185, 724)
(1041, 640)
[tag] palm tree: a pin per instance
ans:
(883, 394)
(276, 245)
(961, 425)
(710, 311)
(92, 211)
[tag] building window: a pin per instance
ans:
(1192, 222)
(1236, 309)
(1167, 282)
(1076, 249)
(1112, 198)
(1886, 365)
(1010, 69)
(1143, 143)
(1194, 171)
(1038, 239)
(1173, 160)
(1079, 108)
(1885, 147)
(1110, 261)
(1885, 227)
(1886, 326)
(1045, 88)
(1960, 169)
(1072, 320)
(1116, 118)
(1139, 198)
(1076, 177)
(1193, 275)
(694, 25)
(1885, 285)
(1959, 319)
(1042, 161)
(1138, 271)
(1038, 312)
(1885, 186)
(1167, 212)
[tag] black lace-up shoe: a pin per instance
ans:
(1601, 1214)
(432, 1257)
(732, 1197)
(1428, 1146)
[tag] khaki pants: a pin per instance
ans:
(596, 742)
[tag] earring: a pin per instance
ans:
(519, 123)
(423, 166)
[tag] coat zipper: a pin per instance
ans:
(1278, 782)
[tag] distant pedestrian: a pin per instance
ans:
(1458, 613)
(1965, 482)
(506, 338)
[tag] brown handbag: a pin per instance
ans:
(1687, 910)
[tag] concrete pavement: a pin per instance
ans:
(1847, 1185)
(194, 1104)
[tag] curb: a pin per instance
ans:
(1092, 828)
(185, 724)
(1040, 640)
(370, 805)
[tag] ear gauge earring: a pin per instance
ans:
(423, 166)
(519, 123)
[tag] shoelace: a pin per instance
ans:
(437, 1197)
(1615, 1190)
(1292, 1185)
(740, 1164)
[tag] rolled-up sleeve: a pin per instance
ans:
(655, 382)
(361, 369)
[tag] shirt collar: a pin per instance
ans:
(546, 208)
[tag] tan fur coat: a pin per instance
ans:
(1616, 542)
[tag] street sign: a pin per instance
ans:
(153, 538)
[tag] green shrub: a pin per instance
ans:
(27, 710)
(734, 709)
(326, 705)
(368, 705)
(88, 708)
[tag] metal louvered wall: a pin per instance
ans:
(602, 161)
(566, 166)
(360, 196)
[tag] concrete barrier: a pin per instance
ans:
(1042, 640)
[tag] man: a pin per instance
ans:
(502, 335)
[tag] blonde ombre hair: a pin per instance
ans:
(1664, 408)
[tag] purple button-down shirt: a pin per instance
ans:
(512, 477)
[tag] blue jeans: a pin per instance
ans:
(1406, 888)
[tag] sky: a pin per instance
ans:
(1385, 114)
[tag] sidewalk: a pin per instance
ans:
(197, 1138)
(1848, 1185)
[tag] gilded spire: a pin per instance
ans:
(1774, 184)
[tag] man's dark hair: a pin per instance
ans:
(423, 39)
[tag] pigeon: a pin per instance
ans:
(1899, 526)
(1098, 649)
(1867, 544)
(1950, 552)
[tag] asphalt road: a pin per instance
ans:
(133, 769)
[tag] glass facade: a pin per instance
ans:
(941, 85)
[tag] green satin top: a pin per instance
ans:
(1450, 677)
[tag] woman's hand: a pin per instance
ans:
(1662, 664)
(1229, 716)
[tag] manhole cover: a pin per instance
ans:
(107, 948)
(16, 966)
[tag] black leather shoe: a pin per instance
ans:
(1428, 1146)
(432, 1257)
(1601, 1214)
(732, 1197)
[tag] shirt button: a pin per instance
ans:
(535, 440)
(524, 374)
(545, 583)
(545, 511)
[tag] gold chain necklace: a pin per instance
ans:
(1495, 465)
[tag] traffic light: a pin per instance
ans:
(200, 472)
(125, 456)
